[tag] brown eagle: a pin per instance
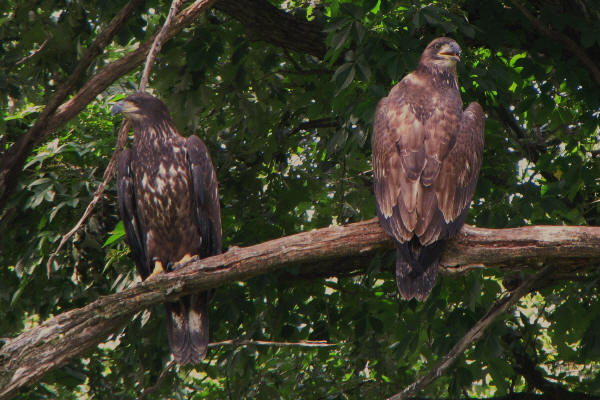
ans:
(169, 203)
(426, 157)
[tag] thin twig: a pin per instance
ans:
(157, 45)
(245, 342)
(121, 138)
(327, 122)
(108, 173)
(159, 381)
(471, 336)
(33, 54)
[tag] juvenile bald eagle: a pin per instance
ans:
(169, 203)
(426, 157)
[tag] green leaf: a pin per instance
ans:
(117, 233)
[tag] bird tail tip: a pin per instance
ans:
(187, 328)
(415, 282)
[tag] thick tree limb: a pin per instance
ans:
(268, 23)
(12, 163)
(14, 158)
(24, 359)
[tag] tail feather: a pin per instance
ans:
(187, 328)
(417, 268)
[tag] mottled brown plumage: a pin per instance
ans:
(427, 153)
(169, 203)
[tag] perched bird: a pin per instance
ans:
(426, 157)
(169, 203)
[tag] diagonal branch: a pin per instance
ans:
(25, 358)
(157, 45)
(568, 43)
(13, 160)
(473, 335)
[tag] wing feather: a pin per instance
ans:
(128, 211)
(456, 182)
(206, 195)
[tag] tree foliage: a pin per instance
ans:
(289, 134)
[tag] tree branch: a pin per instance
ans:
(12, 163)
(473, 335)
(568, 43)
(14, 158)
(268, 23)
(34, 53)
(327, 122)
(529, 370)
(159, 381)
(245, 342)
(157, 45)
(25, 358)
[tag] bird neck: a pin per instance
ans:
(152, 133)
(441, 77)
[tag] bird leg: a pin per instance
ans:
(158, 269)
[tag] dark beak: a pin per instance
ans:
(456, 53)
(117, 108)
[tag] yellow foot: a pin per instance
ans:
(158, 269)
(185, 259)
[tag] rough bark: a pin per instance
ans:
(25, 358)
(268, 23)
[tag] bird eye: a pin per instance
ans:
(437, 45)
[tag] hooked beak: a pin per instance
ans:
(117, 108)
(452, 56)
(450, 51)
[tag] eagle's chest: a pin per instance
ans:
(163, 184)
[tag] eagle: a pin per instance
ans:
(427, 153)
(169, 204)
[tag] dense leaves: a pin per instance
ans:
(289, 135)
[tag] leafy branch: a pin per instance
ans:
(54, 116)
(474, 334)
(569, 44)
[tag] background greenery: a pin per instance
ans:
(289, 134)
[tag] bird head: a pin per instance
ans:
(442, 52)
(141, 106)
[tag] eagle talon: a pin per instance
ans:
(184, 260)
(158, 269)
